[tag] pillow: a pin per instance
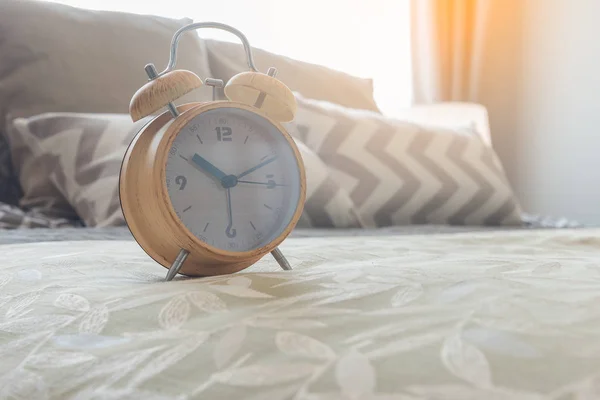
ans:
(69, 163)
(72, 161)
(449, 114)
(400, 172)
(313, 81)
(327, 205)
(57, 58)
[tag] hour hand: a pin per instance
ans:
(202, 163)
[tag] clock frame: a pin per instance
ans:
(147, 206)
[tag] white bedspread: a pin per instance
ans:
(505, 315)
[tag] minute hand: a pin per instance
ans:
(262, 164)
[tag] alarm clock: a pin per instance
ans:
(210, 188)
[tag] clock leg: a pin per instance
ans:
(280, 258)
(177, 264)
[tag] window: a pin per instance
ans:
(363, 38)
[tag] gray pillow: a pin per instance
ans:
(57, 58)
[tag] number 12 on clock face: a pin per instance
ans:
(223, 133)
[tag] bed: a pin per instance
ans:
(431, 313)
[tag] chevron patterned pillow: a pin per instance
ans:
(327, 204)
(399, 172)
(69, 163)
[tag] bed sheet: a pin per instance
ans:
(494, 315)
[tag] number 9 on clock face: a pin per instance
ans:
(233, 179)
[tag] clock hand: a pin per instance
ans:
(202, 163)
(228, 231)
(262, 164)
(270, 184)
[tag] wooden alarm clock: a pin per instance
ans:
(209, 188)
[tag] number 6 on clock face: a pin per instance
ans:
(236, 185)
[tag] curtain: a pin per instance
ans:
(472, 51)
(447, 45)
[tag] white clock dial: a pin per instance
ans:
(233, 179)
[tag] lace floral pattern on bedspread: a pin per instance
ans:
(495, 315)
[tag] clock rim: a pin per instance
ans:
(162, 154)
(130, 169)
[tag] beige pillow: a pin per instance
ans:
(313, 81)
(401, 172)
(73, 160)
(57, 58)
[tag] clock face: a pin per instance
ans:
(233, 179)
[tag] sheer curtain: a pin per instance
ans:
(471, 51)
(363, 38)
(448, 38)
